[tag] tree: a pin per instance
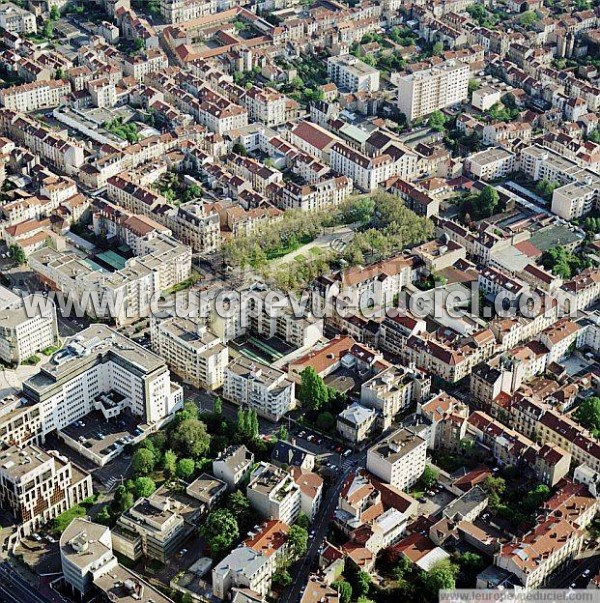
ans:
(534, 499)
(436, 121)
(170, 463)
(143, 461)
(437, 49)
(185, 468)
(220, 530)
(344, 589)
(283, 434)
(218, 408)
(303, 521)
(588, 414)
(363, 583)
(55, 13)
(139, 44)
(144, 487)
(326, 421)
(16, 251)
(313, 390)
(191, 439)
(48, 30)
(495, 487)
(528, 18)
(104, 517)
(403, 567)
(297, 541)
(240, 149)
(440, 577)
(282, 577)
(122, 500)
(488, 201)
(429, 477)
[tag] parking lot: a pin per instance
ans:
(432, 505)
(100, 436)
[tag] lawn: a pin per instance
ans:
(59, 524)
(279, 252)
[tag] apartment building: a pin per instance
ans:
(35, 95)
(68, 156)
(90, 567)
(190, 350)
(157, 526)
(163, 262)
(578, 189)
(36, 486)
(182, 11)
(368, 172)
(356, 423)
(274, 494)
(85, 549)
(140, 65)
(252, 564)
(259, 387)
(550, 546)
(99, 361)
(233, 465)
(265, 105)
(196, 224)
(16, 19)
(352, 74)
(20, 421)
(27, 326)
(398, 460)
(491, 164)
(423, 92)
(311, 491)
(394, 390)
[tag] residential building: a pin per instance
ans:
(190, 350)
(233, 465)
(27, 326)
(352, 74)
(16, 19)
(35, 95)
(423, 92)
(399, 459)
(355, 423)
(252, 564)
(265, 389)
(274, 494)
(36, 486)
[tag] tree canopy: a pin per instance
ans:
(220, 530)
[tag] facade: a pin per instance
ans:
(36, 486)
(426, 91)
(90, 368)
(190, 350)
(264, 389)
(398, 460)
(274, 494)
(233, 465)
(35, 95)
(352, 74)
(23, 333)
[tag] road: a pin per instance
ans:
(14, 589)
(338, 237)
(321, 528)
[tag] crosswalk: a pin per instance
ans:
(347, 464)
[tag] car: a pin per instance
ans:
(586, 573)
(36, 537)
(347, 452)
(311, 533)
(182, 552)
(573, 585)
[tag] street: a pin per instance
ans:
(321, 528)
(14, 589)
